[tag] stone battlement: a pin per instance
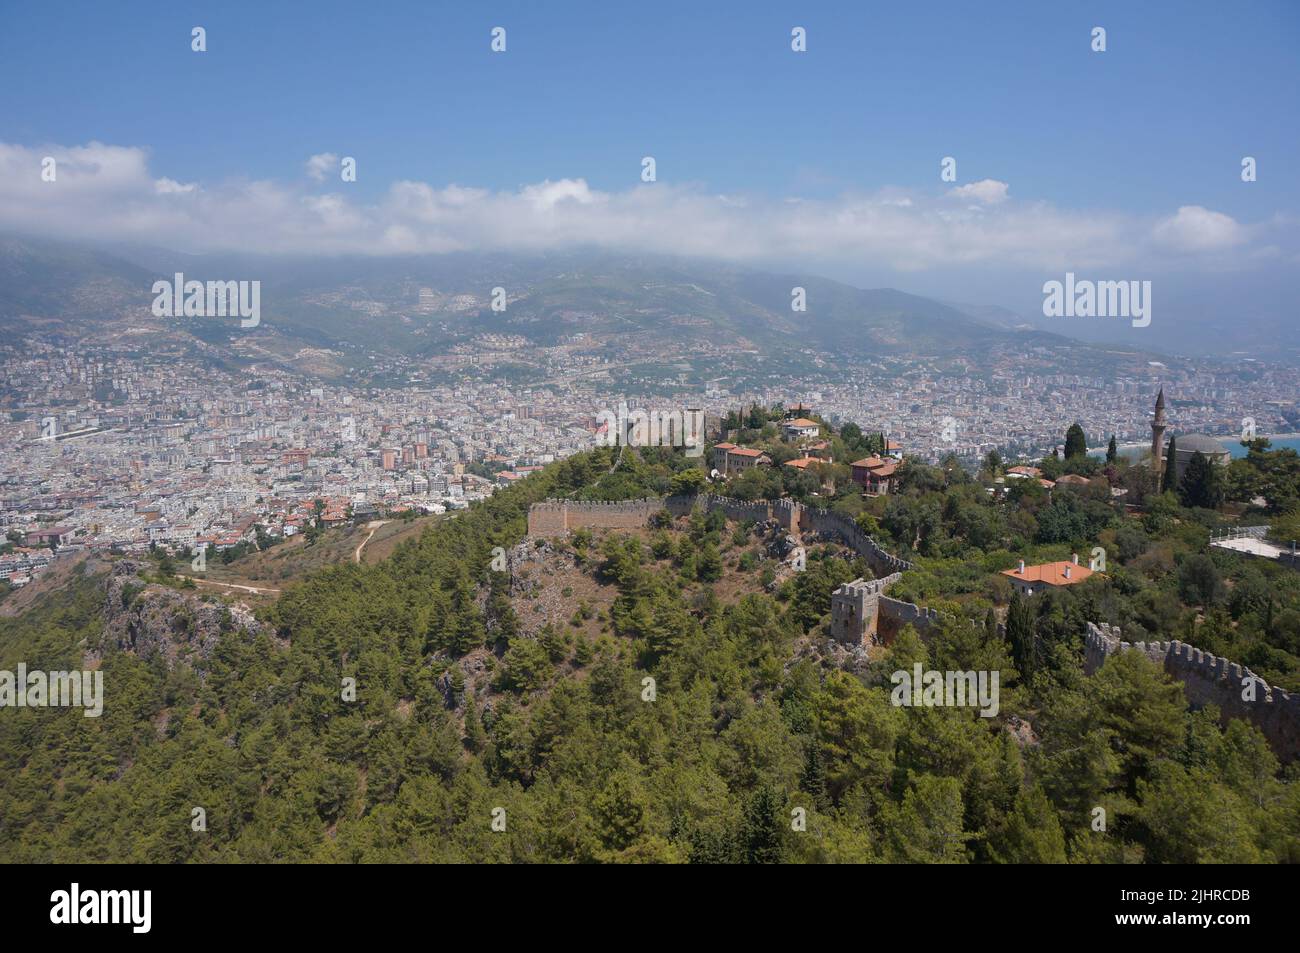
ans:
(1210, 679)
(557, 517)
(855, 609)
(756, 510)
(895, 614)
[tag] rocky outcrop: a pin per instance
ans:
(153, 621)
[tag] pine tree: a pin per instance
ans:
(475, 736)
(1033, 833)
(466, 630)
(762, 827)
(619, 810)
(813, 780)
(708, 565)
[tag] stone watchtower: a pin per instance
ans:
(1159, 424)
(854, 609)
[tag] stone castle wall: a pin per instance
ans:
(557, 517)
(739, 510)
(895, 614)
(1209, 679)
(887, 617)
(855, 609)
(790, 515)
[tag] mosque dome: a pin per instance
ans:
(1199, 443)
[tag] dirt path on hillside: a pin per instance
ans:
(231, 585)
(372, 526)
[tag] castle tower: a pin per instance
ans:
(854, 607)
(1159, 424)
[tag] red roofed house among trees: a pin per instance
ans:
(1029, 580)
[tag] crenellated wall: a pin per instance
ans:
(556, 517)
(1209, 679)
(547, 519)
(855, 609)
(877, 616)
(740, 510)
(895, 614)
(790, 515)
(830, 523)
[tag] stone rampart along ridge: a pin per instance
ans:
(1209, 679)
(867, 613)
(895, 614)
(757, 510)
(557, 517)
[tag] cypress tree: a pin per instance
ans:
(1171, 466)
(1200, 485)
(1112, 451)
(1020, 635)
(1076, 445)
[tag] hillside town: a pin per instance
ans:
(117, 449)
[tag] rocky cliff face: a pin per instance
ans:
(153, 621)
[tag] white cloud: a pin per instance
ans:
(549, 194)
(1194, 228)
(985, 192)
(321, 165)
(166, 186)
(108, 193)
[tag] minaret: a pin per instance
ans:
(1159, 424)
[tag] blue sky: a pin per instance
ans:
(1120, 141)
(713, 91)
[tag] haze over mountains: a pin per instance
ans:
(634, 308)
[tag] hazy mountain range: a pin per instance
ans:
(614, 306)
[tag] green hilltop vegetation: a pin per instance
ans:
(757, 726)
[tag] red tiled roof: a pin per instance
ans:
(1053, 574)
(871, 463)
